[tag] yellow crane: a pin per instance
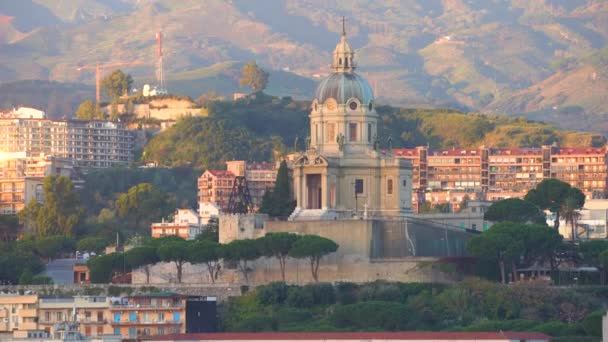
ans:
(98, 67)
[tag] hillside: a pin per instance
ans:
(240, 130)
(497, 56)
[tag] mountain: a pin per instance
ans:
(499, 56)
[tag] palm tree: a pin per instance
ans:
(569, 211)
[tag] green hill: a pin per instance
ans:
(241, 130)
(503, 57)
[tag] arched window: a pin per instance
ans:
(340, 61)
(389, 186)
(346, 62)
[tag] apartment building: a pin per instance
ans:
(215, 186)
(186, 224)
(448, 175)
(91, 313)
(21, 178)
(148, 315)
(90, 144)
(18, 313)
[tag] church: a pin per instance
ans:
(343, 173)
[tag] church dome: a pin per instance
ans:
(342, 86)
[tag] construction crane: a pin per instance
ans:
(98, 67)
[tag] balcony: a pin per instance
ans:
(28, 313)
(28, 326)
(149, 322)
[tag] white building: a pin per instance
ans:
(186, 224)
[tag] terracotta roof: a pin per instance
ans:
(403, 152)
(221, 173)
(581, 150)
(515, 151)
(430, 336)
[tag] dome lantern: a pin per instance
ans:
(343, 54)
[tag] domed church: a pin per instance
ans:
(344, 172)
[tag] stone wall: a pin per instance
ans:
(221, 291)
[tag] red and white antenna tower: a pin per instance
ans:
(160, 77)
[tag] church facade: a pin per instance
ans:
(343, 173)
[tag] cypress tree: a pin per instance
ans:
(278, 202)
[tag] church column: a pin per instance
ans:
(324, 189)
(298, 187)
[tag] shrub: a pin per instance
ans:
(381, 291)
(300, 297)
(592, 324)
(346, 293)
(371, 315)
(555, 328)
(256, 323)
(322, 293)
(574, 339)
(273, 293)
(508, 325)
(42, 280)
(286, 316)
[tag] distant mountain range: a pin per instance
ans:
(545, 59)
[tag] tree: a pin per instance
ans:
(60, 213)
(278, 202)
(114, 114)
(592, 255)
(89, 111)
(551, 193)
(28, 216)
(313, 248)
(103, 267)
(278, 245)
(569, 210)
(9, 227)
(92, 244)
(254, 77)
(50, 247)
(241, 252)
(144, 257)
(208, 253)
(511, 244)
(500, 243)
(143, 202)
(116, 84)
(176, 252)
(514, 210)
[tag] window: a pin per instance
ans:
(99, 316)
(474, 226)
(369, 133)
(404, 183)
(353, 105)
(87, 331)
(117, 331)
(99, 330)
(161, 316)
(358, 186)
(346, 62)
(59, 316)
(161, 331)
(352, 131)
(116, 317)
(132, 316)
(131, 332)
(331, 132)
(176, 317)
(389, 186)
(47, 316)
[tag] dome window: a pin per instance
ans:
(346, 62)
(340, 61)
(370, 106)
(315, 107)
(353, 105)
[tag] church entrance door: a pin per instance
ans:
(313, 191)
